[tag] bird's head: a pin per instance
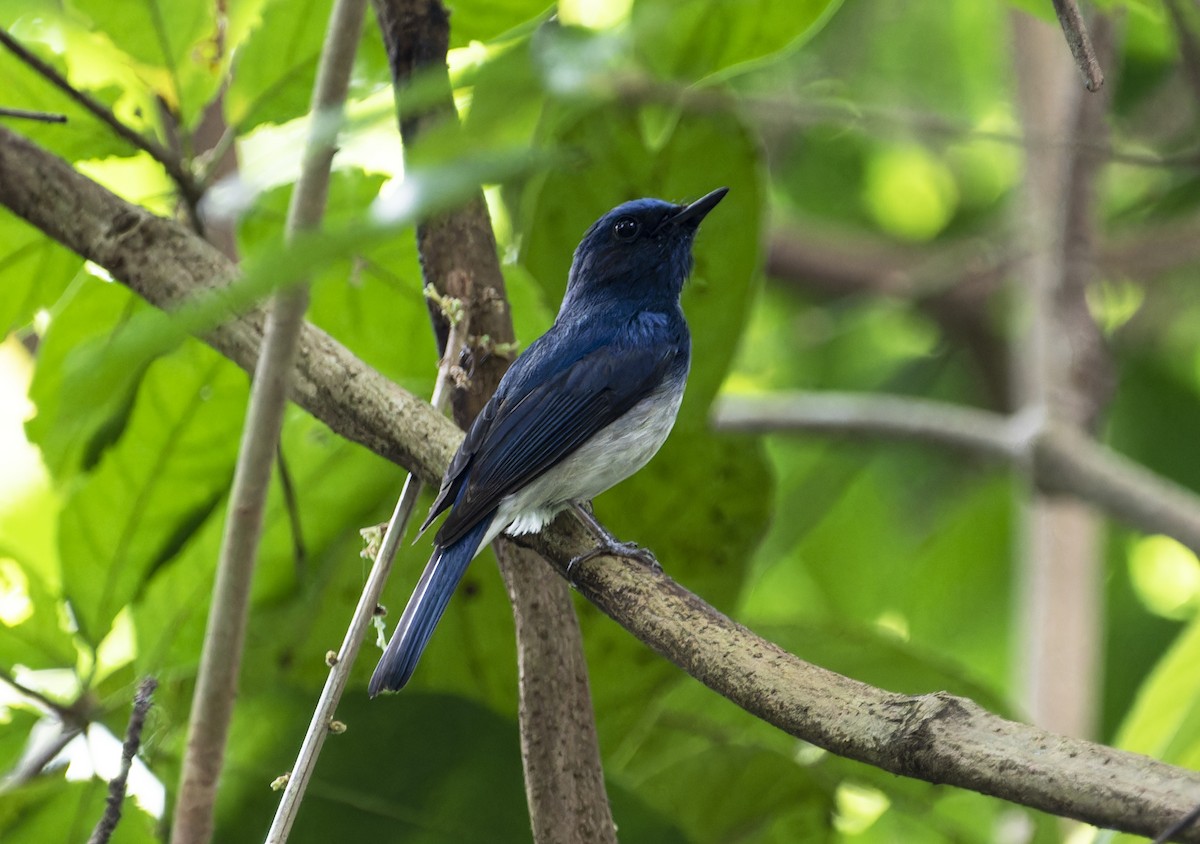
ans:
(639, 249)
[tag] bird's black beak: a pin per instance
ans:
(694, 213)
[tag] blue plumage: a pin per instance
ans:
(584, 407)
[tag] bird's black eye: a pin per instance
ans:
(626, 228)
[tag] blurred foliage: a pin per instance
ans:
(873, 125)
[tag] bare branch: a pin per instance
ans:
(1063, 460)
(1071, 21)
(339, 672)
(936, 737)
(133, 740)
(39, 116)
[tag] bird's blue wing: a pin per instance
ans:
(525, 435)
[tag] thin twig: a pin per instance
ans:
(64, 713)
(172, 163)
(133, 740)
(291, 504)
(339, 671)
(1178, 827)
(224, 640)
(1071, 20)
(39, 116)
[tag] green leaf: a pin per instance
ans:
(483, 20)
(739, 793)
(174, 459)
(53, 809)
(71, 429)
(1165, 719)
(301, 607)
(174, 41)
(31, 630)
(83, 136)
(17, 722)
(34, 272)
(276, 65)
(441, 770)
(370, 299)
(691, 39)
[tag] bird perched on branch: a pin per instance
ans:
(584, 407)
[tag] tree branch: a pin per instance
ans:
(38, 116)
(1071, 21)
(1062, 460)
(564, 780)
(935, 737)
(224, 638)
(142, 702)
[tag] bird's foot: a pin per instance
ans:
(619, 549)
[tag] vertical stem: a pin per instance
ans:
(1059, 363)
(339, 672)
(224, 637)
(564, 780)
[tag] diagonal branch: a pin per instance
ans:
(1071, 21)
(938, 737)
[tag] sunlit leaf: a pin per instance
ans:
(53, 809)
(173, 461)
(175, 41)
(694, 38)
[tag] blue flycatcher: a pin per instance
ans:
(584, 407)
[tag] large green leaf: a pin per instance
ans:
(1165, 719)
(83, 136)
(34, 272)
(301, 606)
(173, 461)
(71, 431)
(175, 42)
(370, 300)
(32, 632)
(275, 67)
(691, 39)
(725, 793)
(53, 809)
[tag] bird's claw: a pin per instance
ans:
(617, 549)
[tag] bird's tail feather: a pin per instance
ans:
(429, 599)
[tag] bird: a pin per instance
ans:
(585, 406)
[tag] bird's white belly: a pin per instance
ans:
(610, 456)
